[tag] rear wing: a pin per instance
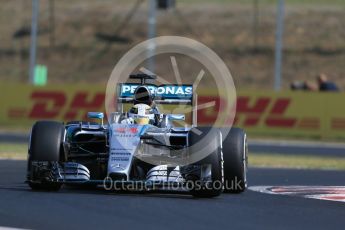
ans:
(163, 94)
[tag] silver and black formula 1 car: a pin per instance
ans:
(140, 149)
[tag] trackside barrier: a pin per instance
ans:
(285, 114)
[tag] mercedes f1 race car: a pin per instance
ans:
(139, 148)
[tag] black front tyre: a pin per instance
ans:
(211, 142)
(235, 152)
(45, 146)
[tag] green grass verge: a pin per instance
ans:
(19, 152)
(296, 161)
(13, 151)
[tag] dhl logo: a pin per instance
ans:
(258, 111)
(251, 111)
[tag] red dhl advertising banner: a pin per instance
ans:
(285, 114)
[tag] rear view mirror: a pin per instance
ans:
(176, 117)
(96, 115)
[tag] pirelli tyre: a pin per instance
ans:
(235, 154)
(210, 139)
(45, 146)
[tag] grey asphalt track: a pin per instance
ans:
(297, 148)
(97, 209)
(13, 137)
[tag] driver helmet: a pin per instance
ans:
(142, 114)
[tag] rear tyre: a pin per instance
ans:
(45, 145)
(215, 159)
(235, 161)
